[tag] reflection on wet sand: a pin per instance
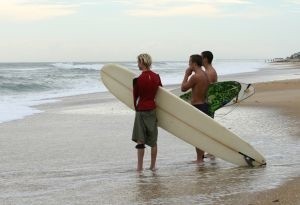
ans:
(81, 154)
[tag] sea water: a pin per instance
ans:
(58, 168)
(23, 85)
(97, 166)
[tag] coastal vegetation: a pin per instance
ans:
(293, 58)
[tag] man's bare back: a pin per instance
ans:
(207, 57)
(211, 74)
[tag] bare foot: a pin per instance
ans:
(198, 162)
(153, 169)
(139, 170)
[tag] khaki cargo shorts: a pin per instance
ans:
(145, 127)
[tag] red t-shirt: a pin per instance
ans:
(144, 90)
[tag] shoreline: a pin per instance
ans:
(76, 121)
(270, 72)
(268, 94)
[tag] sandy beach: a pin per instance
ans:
(66, 140)
(78, 151)
(284, 96)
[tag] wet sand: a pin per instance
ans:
(79, 152)
(284, 96)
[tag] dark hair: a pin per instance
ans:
(196, 58)
(208, 55)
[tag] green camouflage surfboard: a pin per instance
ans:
(218, 95)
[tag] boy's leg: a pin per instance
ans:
(140, 155)
(153, 157)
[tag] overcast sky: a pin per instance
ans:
(118, 30)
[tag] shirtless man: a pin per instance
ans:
(211, 73)
(196, 79)
(207, 58)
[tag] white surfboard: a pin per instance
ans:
(184, 121)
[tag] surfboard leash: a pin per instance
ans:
(237, 101)
(233, 107)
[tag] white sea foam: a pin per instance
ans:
(95, 66)
(24, 84)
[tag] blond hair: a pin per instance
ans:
(145, 59)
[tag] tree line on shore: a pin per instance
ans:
(293, 58)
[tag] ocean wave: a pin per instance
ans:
(76, 71)
(85, 66)
(170, 65)
(19, 67)
(22, 84)
(24, 87)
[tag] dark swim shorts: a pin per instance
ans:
(204, 108)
